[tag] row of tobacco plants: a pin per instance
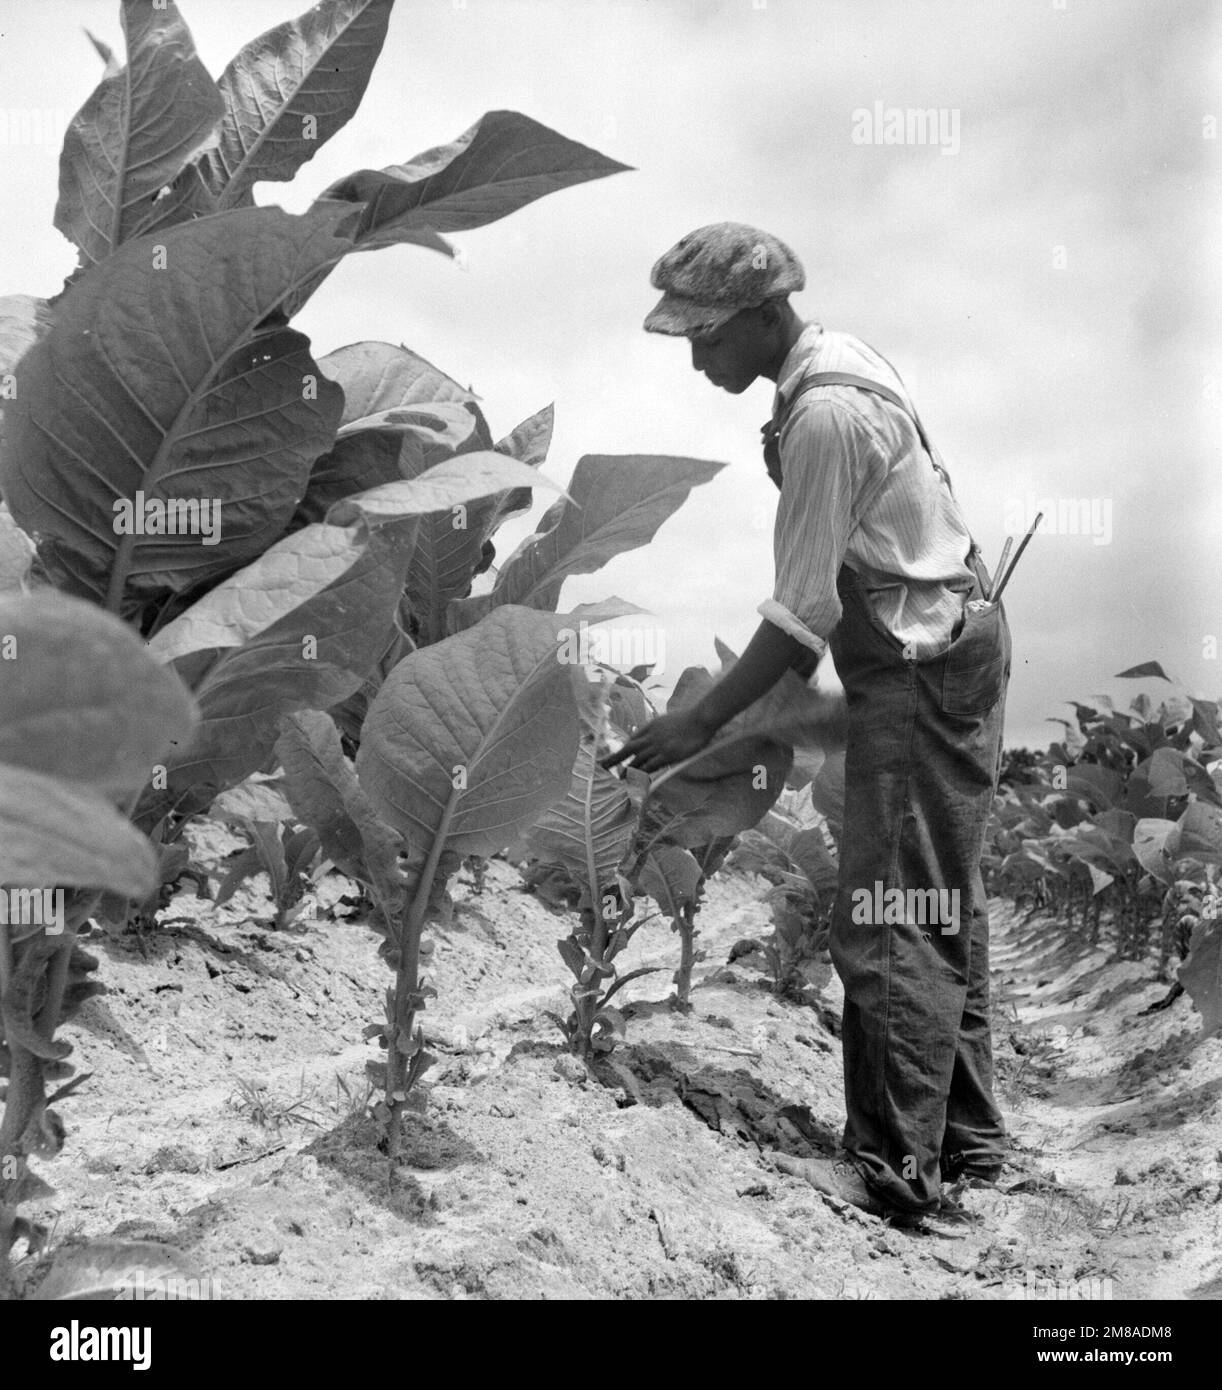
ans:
(238, 578)
(1118, 828)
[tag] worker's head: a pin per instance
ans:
(725, 288)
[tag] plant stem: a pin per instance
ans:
(587, 998)
(685, 923)
(57, 980)
(407, 983)
(23, 1101)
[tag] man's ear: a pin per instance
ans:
(770, 312)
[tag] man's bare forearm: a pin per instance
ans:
(769, 654)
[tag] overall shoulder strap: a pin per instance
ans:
(772, 430)
(862, 383)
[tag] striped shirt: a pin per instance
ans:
(859, 489)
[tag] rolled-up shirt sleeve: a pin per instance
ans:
(829, 457)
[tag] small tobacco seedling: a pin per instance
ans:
(286, 854)
(174, 864)
(790, 848)
(675, 878)
(587, 834)
(478, 866)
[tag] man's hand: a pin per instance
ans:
(674, 737)
(668, 739)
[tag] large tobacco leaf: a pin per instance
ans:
(288, 91)
(501, 163)
(177, 383)
(379, 376)
(323, 790)
(809, 851)
(444, 490)
(378, 379)
(827, 792)
(284, 579)
(731, 785)
(82, 699)
(54, 833)
(730, 795)
(298, 629)
(615, 503)
(71, 746)
(143, 124)
(529, 443)
(589, 830)
(469, 740)
(504, 161)
(672, 877)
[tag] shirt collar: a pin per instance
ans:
(794, 366)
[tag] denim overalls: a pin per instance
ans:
(922, 759)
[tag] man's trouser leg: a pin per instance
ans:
(922, 758)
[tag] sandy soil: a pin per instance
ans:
(225, 1117)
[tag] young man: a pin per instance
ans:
(874, 558)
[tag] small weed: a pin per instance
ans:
(254, 1102)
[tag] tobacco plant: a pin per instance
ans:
(588, 833)
(790, 849)
(464, 744)
(287, 855)
(86, 716)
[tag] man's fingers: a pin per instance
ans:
(639, 749)
(641, 761)
(612, 759)
(648, 760)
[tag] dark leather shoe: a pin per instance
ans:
(840, 1180)
(979, 1177)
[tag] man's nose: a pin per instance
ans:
(697, 357)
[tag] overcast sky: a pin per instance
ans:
(1043, 277)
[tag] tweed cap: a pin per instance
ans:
(713, 272)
